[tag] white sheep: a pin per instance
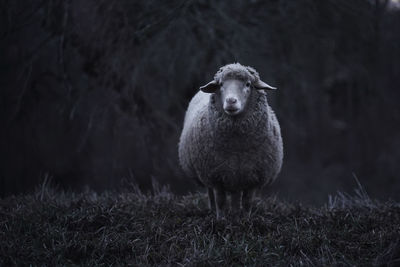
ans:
(231, 140)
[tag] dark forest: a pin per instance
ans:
(93, 93)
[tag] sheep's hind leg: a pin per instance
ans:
(211, 199)
(247, 199)
(235, 201)
(220, 199)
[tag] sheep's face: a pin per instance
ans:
(232, 96)
(232, 86)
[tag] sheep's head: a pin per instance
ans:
(232, 86)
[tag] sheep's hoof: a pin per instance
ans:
(220, 215)
(221, 218)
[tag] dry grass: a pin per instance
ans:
(59, 228)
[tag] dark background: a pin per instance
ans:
(93, 93)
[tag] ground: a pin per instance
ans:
(50, 227)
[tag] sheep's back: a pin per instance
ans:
(194, 133)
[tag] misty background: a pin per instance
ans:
(93, 93)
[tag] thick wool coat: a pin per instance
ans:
(233, 153)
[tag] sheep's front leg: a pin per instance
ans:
(211, 199)
(220, 199)
(247, 198)
(235, 201)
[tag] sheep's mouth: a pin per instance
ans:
(231, 110)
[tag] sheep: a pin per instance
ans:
(231, 140)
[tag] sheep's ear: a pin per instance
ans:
(260, 85)
(210, 87)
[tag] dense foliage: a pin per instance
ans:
(95, 91)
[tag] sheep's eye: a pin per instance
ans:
(248, 84)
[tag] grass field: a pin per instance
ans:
(58, 228)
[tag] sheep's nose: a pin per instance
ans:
(231, 100)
